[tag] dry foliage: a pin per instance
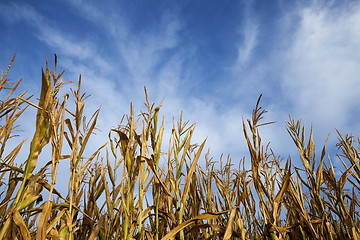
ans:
(146, 199)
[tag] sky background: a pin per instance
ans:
(211, 59)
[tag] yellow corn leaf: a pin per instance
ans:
(207, 216)
(158, 142)
(79, 111)
(151, 165)
(53, 234)
(107, 192)
(5, 227)
(187, 146)
(90, 131)
(54, 221)
(97, 228)
(21, 224)
(90, 160)
(41, 230)
(188, 180)
(229, 228)
(29, 199)
(280, 194)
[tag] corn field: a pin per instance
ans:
(132, 188)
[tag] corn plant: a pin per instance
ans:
(131, 187)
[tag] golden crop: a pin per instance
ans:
(176, 200)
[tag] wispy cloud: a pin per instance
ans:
(64, 43)
(165, 76)
(249, 37)
(321, 76)
(13, 13)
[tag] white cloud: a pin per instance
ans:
(249, 33)
(13, 13)
(63, 43)
(142, 54)
(321, 70)
(316, 61)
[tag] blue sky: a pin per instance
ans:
(211, 59)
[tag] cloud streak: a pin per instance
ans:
(321, 78)
(249, 33)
